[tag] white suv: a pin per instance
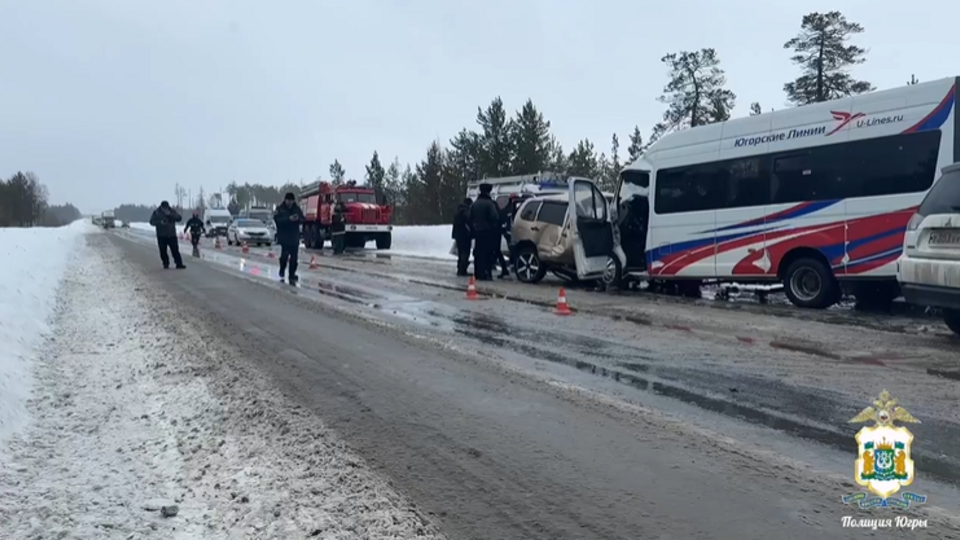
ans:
(929, 270)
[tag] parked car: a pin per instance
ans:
(249, 231)
(569, 234)
(929, 270)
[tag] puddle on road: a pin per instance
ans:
(773, 405)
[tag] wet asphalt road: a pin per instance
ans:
(485, 451)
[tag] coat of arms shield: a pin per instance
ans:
(883, 463)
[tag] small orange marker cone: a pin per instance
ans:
(562, 307)
(472, 289)
(245, 248)
(216, 243)
(313, 263)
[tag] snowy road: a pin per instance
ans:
(503, 421)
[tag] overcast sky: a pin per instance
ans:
(113, 101)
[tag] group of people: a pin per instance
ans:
(481, 223)
(288, 218)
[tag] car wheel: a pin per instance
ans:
(529, 268)
(952, 319)
(809, 283)
(612, 272)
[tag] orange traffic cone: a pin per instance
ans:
(245, 248)
(472, 290)
(313, 263)
(216, 243)
(562, 307)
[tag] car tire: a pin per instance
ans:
(529, 268)
(809, 283)
(613, 273)
(951, 317)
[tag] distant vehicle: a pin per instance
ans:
(366, 219)
(929, 271)
(817, 196)
(249, 231)
(263, 214)
(107, 220)
(567, 233)
(216, 221)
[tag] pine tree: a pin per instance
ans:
(424, 197)
(337, 173)
(825, 59)
(583, 161)
(635, 149)
(461, 165)
(558, 158)
(755, 109)
(375, 176)
(496, 139)
(530, 140)
(604, 172)
(695, 94)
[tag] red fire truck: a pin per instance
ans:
(366, 220)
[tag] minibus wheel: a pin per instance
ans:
(809, 283)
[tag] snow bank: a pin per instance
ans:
(431, 241)
(34, 262)
(139, 408)
(142, 226)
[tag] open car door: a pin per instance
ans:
(589, 219)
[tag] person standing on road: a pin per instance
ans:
(485, 224)
(338, 228)
(165, 220)
(196, 228)
(462, 235)
(288, 218)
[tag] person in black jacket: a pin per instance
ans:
(338, 228)
(504, 233)
(165, 220)
(462, 235)
(288, 217)
(196, 228)
(485, 224)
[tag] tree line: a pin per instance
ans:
(695, 94)
(24, 203)
(504, 143)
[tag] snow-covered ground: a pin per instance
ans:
(145, 426)
(34, 262)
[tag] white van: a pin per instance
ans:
(216, 221)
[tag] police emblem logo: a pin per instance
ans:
(883, 463)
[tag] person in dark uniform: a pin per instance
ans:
(485, 224)
(196, 228)
(462, 235)
(165, 220)
(505, 234)
(338, 228)
(288, 218)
